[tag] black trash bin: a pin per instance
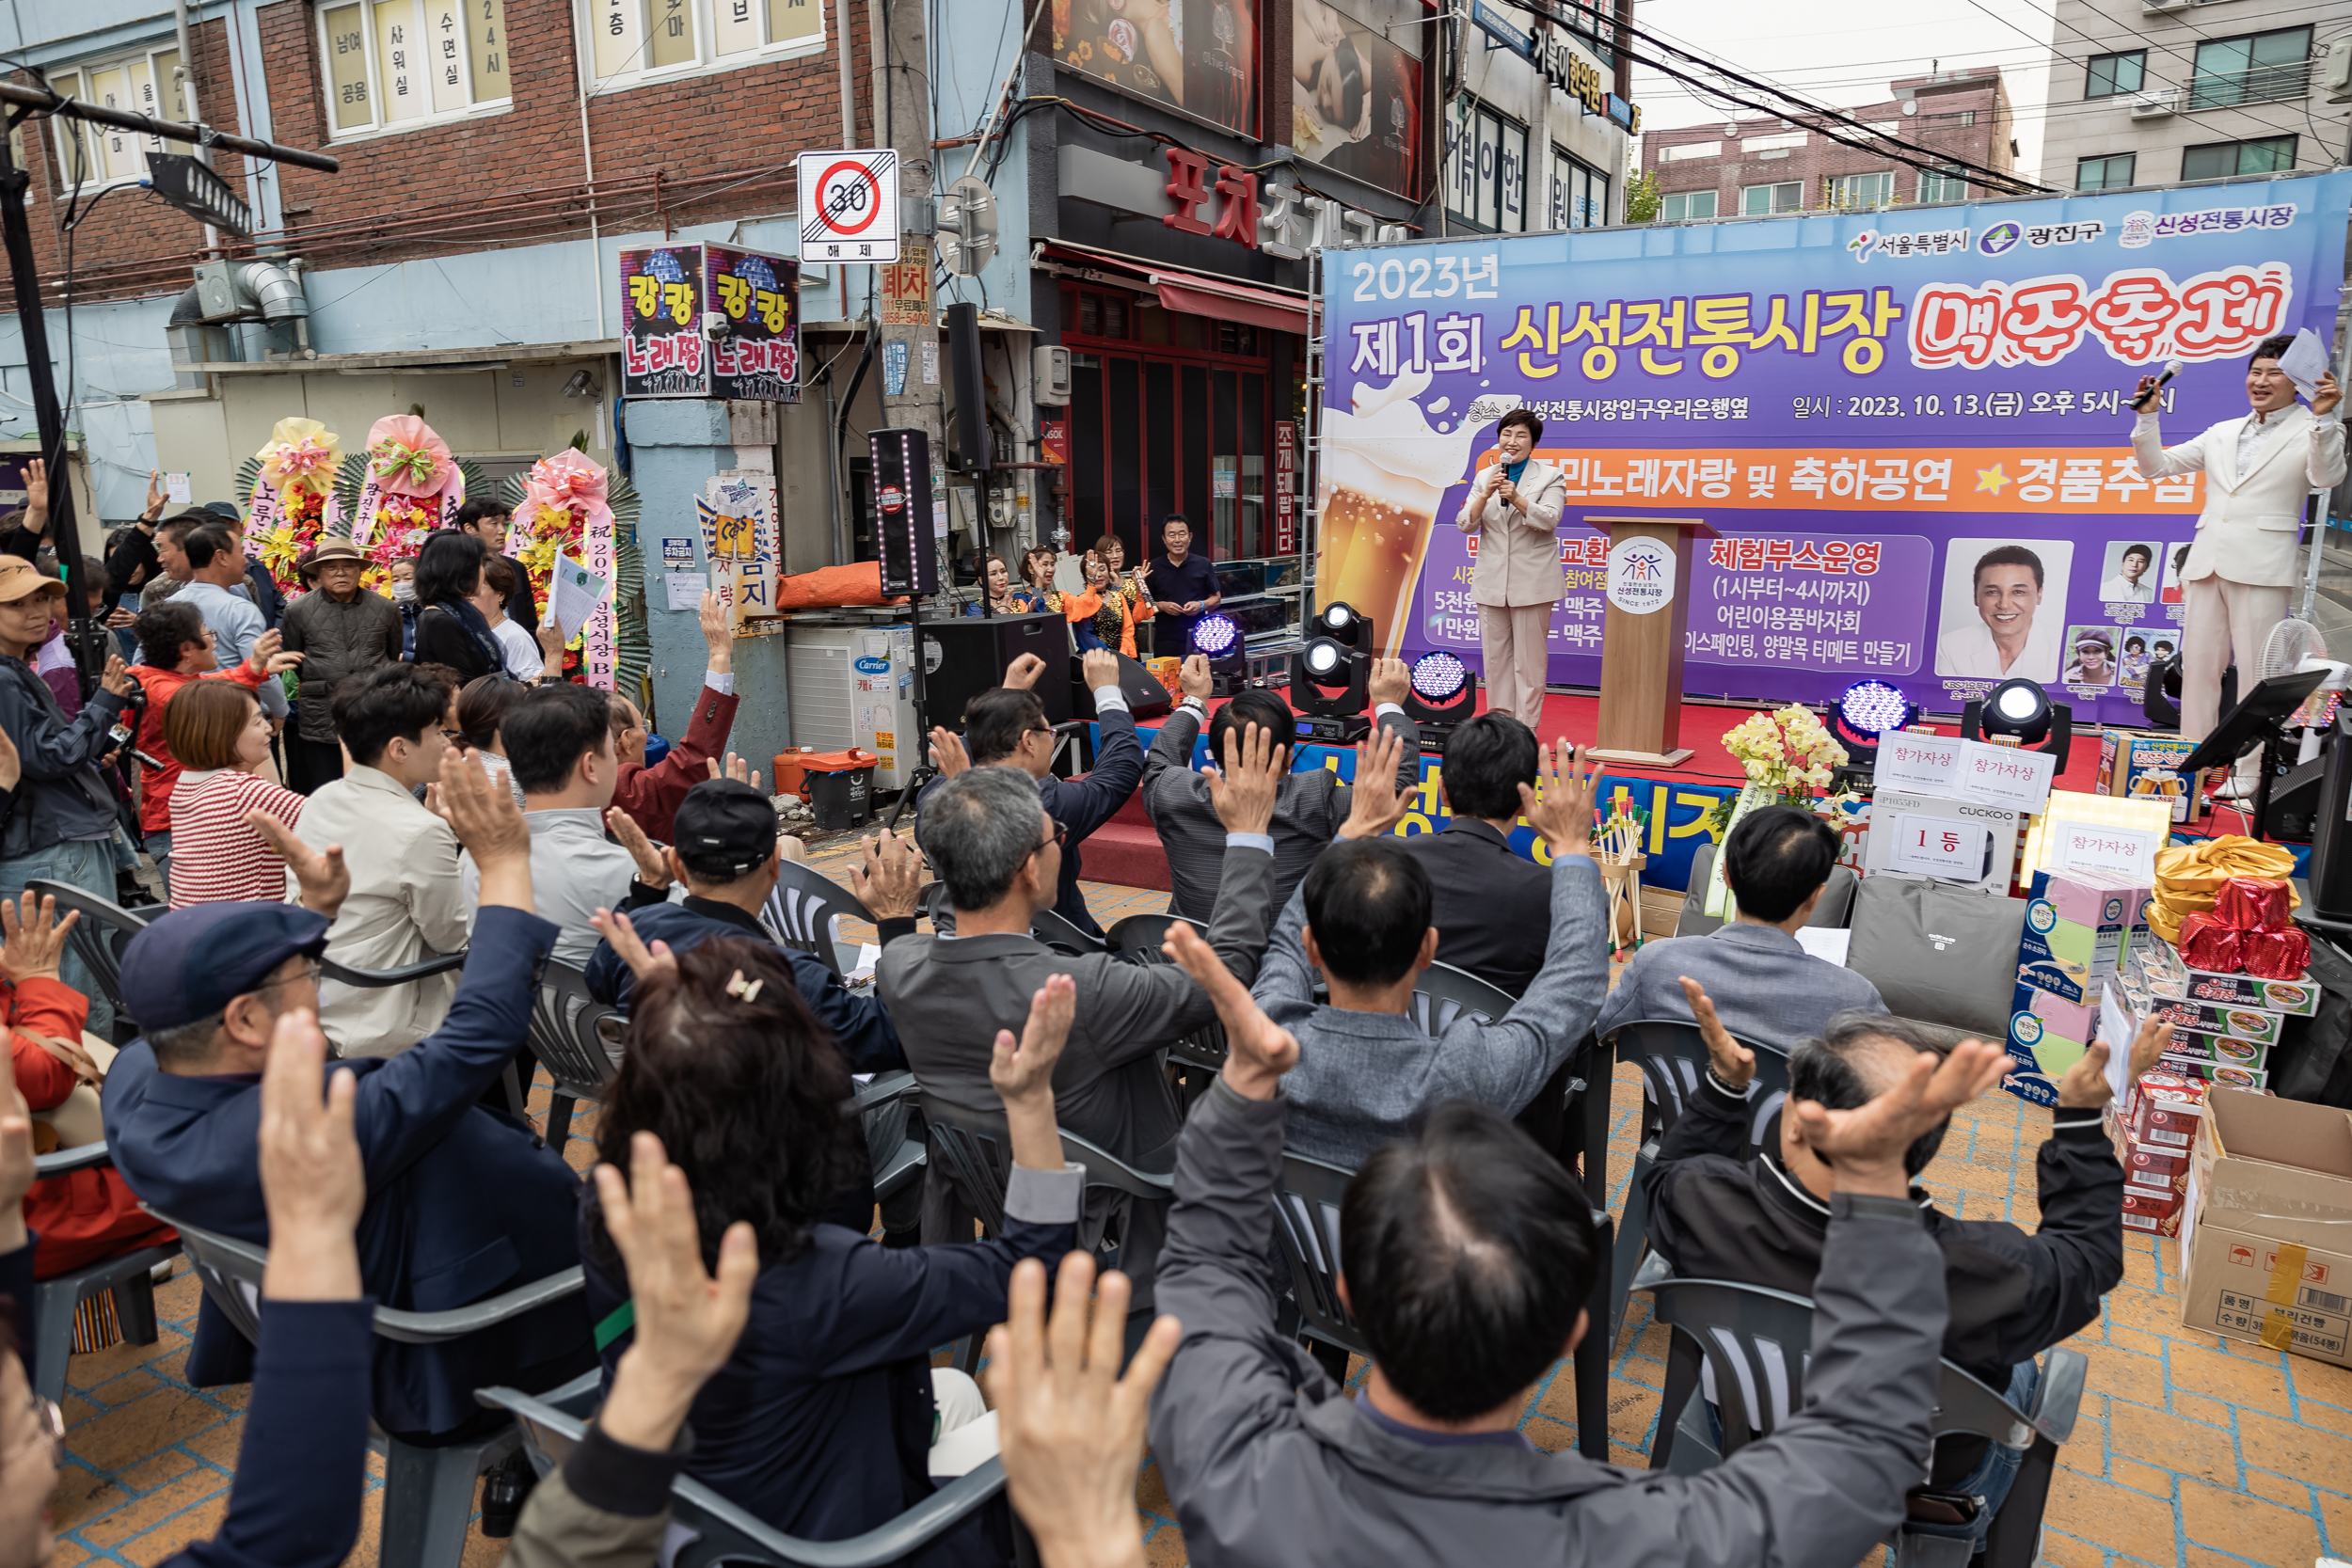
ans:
(842, 798)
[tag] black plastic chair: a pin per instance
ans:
(1754, 1343)
(1671, 1055)
(804, 910)
(1198, 1055)
(130, 1277)
(715, 1529)
(1136, 939)
(98, 940)
(1062, 936)
(1306, 1199)
(428, 1492)
(885, 1107)
(578, 1038)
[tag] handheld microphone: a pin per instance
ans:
(2171, 367)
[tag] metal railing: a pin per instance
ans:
(2262, 83)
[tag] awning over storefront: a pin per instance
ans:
(1199, 294)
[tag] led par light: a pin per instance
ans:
(1443, 694)
(1219, 638)
(1324, 666)
(1868, 709)
(2022, 708)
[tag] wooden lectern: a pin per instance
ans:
(1640, 653)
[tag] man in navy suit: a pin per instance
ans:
(463, 1201)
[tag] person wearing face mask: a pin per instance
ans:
(1514, 509)
(2260, 468)
(403, 591)
(221, 737)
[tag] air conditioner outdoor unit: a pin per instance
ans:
(2147, 5)
(2154, 106)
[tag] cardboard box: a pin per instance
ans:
(2048, 1034)
(2146, 768)
(2166, 1110)
(1889, 806)
(2204, 1018)
(2085, 921)
(2266, 1227)
(2158, 967)
(2154, 1213)
(2153, 1165)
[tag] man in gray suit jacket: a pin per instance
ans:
(1370, 1075)
(1308, 811)
(999, 854)
(1467, 1258)
(1767, 988)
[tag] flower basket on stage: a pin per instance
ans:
(569, 506)
(289, 495)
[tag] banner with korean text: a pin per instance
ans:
(1908, 427)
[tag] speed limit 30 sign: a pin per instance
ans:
(849, 206)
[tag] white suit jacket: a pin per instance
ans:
(2248, 529)
(1519, 552)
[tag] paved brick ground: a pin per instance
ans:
(2192, 1450)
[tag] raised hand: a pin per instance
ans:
(1099, 668)
(156, 494)
(1373, 805)
(36, 938)
(312, 1182)
(652, 868)
(2325, 394)
(2084, 1086)
(947, 752)
(1259, 1051)
(37, 495)
(489, 825)
(1732, 1062)
(890, 884)
(117, 677)
(1392, 682)
(264, 648)
(1245, 789)
(320, 875)
(1563, 813)
(1071, 1429)
(687, 1322)
(1021, 672)
(737, 769)
(1864, 1146)
(643, 962)
(1194, 677)
(718, 632)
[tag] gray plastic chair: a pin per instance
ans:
(1306, 1199)
(578, 1038)
(552, 1422)
(428, 1492)
(804, 910)
(885, 1106)
(98, 940)
(1672, 1054)
(1756, 1342)
(1443, 994)
(131, 1279)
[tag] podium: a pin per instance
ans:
(1648, 583)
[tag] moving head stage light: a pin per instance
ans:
(2022, 708)
(1325, 665)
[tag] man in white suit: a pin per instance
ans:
(1515, 508)
(2258, 470)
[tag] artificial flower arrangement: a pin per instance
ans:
(290, 500)
(1788, 755)
(556, 505)
(409, 486)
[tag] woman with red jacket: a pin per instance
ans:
(84, 1215)
(174, 649)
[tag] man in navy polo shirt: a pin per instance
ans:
(1184, 588)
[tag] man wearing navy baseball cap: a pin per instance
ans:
(463, 1202)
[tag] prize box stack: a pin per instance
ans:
(2080, 927)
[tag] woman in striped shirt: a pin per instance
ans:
(218, 733)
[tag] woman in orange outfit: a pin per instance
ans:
(1104, 615)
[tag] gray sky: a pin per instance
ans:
(1802, 46)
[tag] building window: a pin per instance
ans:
(2113, 73)
(1861, 190)
(1941, 184)
(1759, 200)
(641, 41)
(2252, 70)
(1579, 193)
(143, 83)
(2111, 173)
(392, 64)
(2222, 159)
(1486, 167)
(1685, 205)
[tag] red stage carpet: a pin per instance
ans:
(1126, 851)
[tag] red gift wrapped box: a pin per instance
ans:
(2252, 903)
(2282, 954)
(2209, 941)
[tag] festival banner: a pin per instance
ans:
(1909, 428)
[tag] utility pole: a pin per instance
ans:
(87, 638)
(907, 330)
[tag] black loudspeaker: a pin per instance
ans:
(902, 510)
(1146, 697)
(968, 655)
(975, 452)
(2331, 869)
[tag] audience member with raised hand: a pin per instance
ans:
(464, 1203)
(406, 899)
(84, 1215)
(1005, 727)
(1312, 804)
(222, 736)
(322, 876)
(560, 746)
(651, 795)
(1072, 1426)
(1715, 1213)
(998, 851)
(1361, 921)
(727, 855)
(1467, 1257)
(828, 1420)
(175, 650)
(1777, 863)
(1492, 908)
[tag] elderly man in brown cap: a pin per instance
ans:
(341, 630)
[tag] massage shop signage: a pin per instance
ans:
(1909, 428)
(709, 320)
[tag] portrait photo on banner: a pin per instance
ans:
(2003, 613)
(2130, 573)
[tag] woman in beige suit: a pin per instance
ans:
(1515, 508)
